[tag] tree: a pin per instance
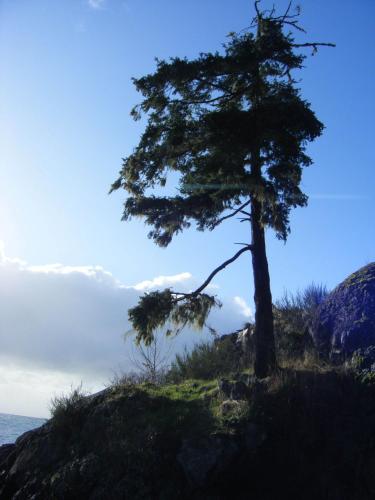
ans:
(234, 128)
(151, 360)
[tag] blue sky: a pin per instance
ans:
(66, 93)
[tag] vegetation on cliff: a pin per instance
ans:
(310, 429)
(210, 429)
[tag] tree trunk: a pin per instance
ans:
(264, 340)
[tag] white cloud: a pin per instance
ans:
(162, 282)
(243, 307)
(96, 4)
(62, 324)
(28, 391)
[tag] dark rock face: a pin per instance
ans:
(5, 451)
(124, 443)
(200, 458)
(233, 390)
(136, 443)
(345, 321)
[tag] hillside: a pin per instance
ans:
(307, 433)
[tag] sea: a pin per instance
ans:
(12, 426)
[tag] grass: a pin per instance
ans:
(188, 408)
(66, 409)
(317, 421)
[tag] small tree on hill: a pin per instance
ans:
(234, 127)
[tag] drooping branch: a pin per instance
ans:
(182, 296)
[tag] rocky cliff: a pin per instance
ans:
(301, 434)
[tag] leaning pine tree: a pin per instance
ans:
(234, 126)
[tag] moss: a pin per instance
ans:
(171, 409)
(361, 278)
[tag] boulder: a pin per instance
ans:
(204, 457)
(345, 321)
(233, 390)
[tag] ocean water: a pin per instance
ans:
(12, 426)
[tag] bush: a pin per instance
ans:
(66, 409)
(293, 315)
(207, 360)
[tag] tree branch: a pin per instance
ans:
(294, 24)
(313, 44)
(256, 7)
(238, 210)
(212, 84)
(206, 101)
(287, 10)
(182, 296)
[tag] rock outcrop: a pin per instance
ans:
(136, 442)
(345, 321)
(150, 442)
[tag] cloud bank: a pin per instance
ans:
(67, 323)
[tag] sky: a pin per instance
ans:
(69, 267)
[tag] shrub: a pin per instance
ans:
(293, 315)
(207, 360)
(131, 378)
(66, 409)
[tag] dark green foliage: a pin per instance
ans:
(293, 316)
(204, 122)
(206, 361)
(152, 312)
(156, 308)
(234, 128)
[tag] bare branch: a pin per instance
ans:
(238, 210)
(315, 45)
(294, 24)
(196, 292)
(245, 213)
(256, 7)
(287, 10)
(270, 12)
(220, 268)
